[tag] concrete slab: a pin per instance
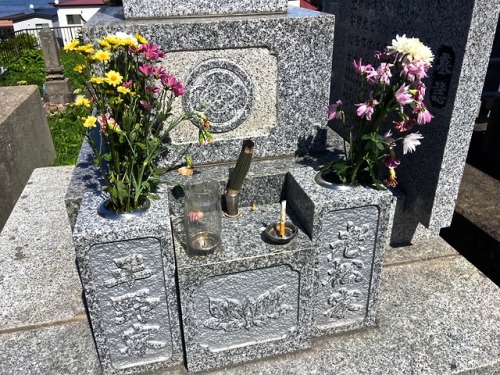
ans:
(63, 349)
(478, 201)
(38, 278)
(475, 228)
(421, 250)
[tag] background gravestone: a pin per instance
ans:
(58, 88)
(460, 36)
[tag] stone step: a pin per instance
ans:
(438, 314)
(43, 324)
(475, 228)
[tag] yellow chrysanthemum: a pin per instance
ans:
(79, 68)
(82, 101)
(141, 39)
(110, 40)
(102, 55)
(90, 122)
(86, 48)
(113, 78)
(104, 44)
(97, 80)
(71, 46)
(120, 39)
(123, 90)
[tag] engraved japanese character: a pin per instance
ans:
(444, 65)
(137, 304)
(139, 338)
(439, 93)
(342, 302)
(344, 273)
(351, 240)
(131, 268)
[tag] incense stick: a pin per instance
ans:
(282, 218)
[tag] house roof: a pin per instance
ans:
(5, 23)
(10, 17)
(46, 14)
(78, 3)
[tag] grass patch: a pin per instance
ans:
(65, 125)
(67, 134)
(70, 60)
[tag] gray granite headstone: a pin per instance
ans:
(173, 8)
(261, 77)
(460, 36)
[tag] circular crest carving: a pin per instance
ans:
(223, 91)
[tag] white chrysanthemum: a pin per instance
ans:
(413, 48)
(123, 35)
(411, 141)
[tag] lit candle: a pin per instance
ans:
(283, 218)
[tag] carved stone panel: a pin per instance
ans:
(344, 266)
(236, 88)
(248, 307)
(130, 289)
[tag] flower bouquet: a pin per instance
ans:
(394, 88)
(131, 106)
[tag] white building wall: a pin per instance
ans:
(85, 12)
(31, 23)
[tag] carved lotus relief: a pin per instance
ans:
(231, 314)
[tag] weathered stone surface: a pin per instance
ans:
(170, 8)
(38, 279)
(475, 201)
(61, 349)
(85, 179)
(127, 269)
(288, 53)
(461, 38)
(25, 142)
(249, 300)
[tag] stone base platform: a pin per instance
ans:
(437, 315)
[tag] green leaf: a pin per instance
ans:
(106, 157)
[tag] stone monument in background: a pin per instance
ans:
(58, 89)
(461, 37)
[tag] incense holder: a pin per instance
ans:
(272, 232)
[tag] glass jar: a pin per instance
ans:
(202, 216)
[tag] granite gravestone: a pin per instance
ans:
(461, 36)
(58, 88)
(175, 8)
(258, 76)
(264, 77)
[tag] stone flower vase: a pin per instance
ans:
(127, 270)
(350, 228)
